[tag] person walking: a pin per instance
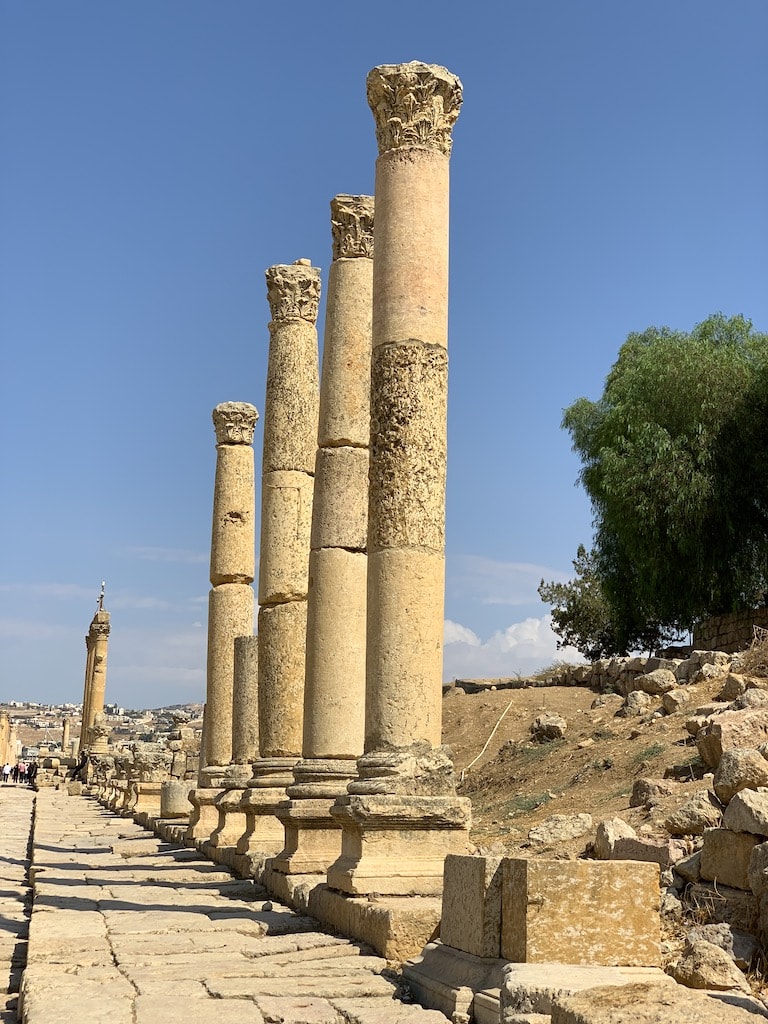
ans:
(6, 772)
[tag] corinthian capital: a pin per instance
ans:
(234, 422)
(414, 105)
(352, 226)
(293, 291)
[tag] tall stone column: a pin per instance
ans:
(65, 736)
(230, 603)
(95, 676)
(402, 816)
(5, 732)
(290, 440)
(334, 695)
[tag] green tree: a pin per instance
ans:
(583, 617)
(663, 458)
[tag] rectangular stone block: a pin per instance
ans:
(725, 857)
(604, 913)
(471, 918)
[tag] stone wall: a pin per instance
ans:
(729, 633)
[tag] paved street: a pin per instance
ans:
(128, 930)
(15, 898)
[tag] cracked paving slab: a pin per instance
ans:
(127, 928)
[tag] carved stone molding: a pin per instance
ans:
(352, 226)
(234, 422)
(99, 630)
(414, 105)
(293, 291)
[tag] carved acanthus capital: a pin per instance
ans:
(414, 105)
(235, 422)
(293, 291)
(352, 226)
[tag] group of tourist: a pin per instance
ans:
(20, 772)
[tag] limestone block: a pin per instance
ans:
(645, 849)
(292, 398)
(405, 645)
(737, 907)
(739, 769)
(245, 700)
(234, 504)
(649, 1004)
(410, 281)
(581, 912)
(282, 645)
(757, 872)
(606, 835)
(345, 400)
(533, 988)
(409, 390)
(341, 494)
(286, 521)
(733, 687)
(558, 828)
(748, 812)
(725, 857)
(740, 946)
(230, 614)
(472, 905)
(701, 812)
(673, 700)
(655, 683)
(336, 626)
(646, 792)
(731, 729)
(705, 965)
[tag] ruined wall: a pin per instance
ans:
(729, 633)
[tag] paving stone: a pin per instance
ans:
(126, 928)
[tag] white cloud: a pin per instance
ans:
(454, 633)
(520, 649)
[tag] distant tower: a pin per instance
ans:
(95, 670)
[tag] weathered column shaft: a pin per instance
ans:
(409, 384)
(334, 704)
(230, 608)
(290, 431)
(245, 710)
(334, 694)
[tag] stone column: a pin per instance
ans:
(334, 696)
(65, 737)
(5, 731)
(245, 709)
(95, 674)
(230, 603)
(402, 817)
(290, 441)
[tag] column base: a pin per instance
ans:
(264, 833)
(312, 838)
(204, 818)
(396, 845)
(147, 803)
(231, 822)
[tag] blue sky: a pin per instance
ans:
(608, 173)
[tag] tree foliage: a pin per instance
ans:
(674, 461)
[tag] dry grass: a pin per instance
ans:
(754, 661)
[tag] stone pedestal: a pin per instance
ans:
(402, 816)
(174, 799)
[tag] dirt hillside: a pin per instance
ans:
(517, 783)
